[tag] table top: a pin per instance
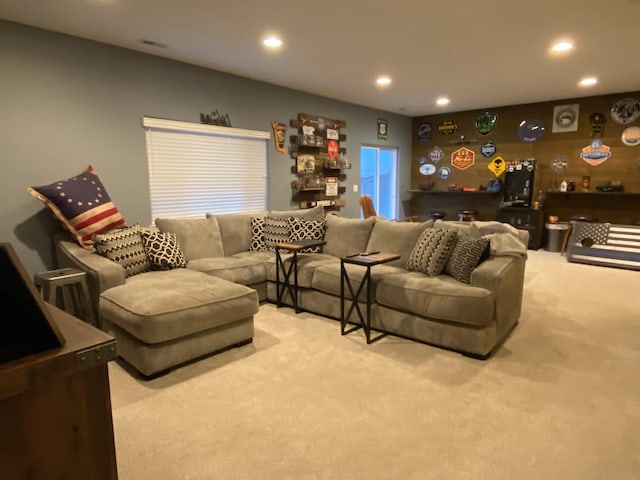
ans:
(300, 244)
(370, 258)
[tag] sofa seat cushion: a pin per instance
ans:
(441, 298)
(156, 307)
(327, 277)
(307, 264)
(247, 268)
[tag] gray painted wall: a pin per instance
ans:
(68, 102)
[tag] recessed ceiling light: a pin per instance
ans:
(588, 81)
(383, 81)
(563, 46)
(272, 42)
(442, 101)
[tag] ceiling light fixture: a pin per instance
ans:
(383, 81)
(442, 101)
(272, 42)
(588, 82)
(561, 47)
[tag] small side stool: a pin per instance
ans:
(72, 282)
(467, 215)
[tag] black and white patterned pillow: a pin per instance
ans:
(276, 230)
(257, 235)
(163, 250)
(123, 246)
(431, 252)
(467, 253)
(301, 229)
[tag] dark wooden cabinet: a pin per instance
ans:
(55, 408)
(524, 219)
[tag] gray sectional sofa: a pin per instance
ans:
(162, 319)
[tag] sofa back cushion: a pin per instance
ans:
(315, 213)
(346, 236)
(396, 237)
(199, 237)
(235, 229)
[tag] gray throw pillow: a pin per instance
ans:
(124, 246)
(467, 253)
(432, 251)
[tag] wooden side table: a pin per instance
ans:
(367, 260)
(286, 284)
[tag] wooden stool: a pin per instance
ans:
(467, 215)
(436, 215)
(72, 282)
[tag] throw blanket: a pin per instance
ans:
(502, 244)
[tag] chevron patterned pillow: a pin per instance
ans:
(432, 251)
(467, 254)
(124, 246)
(276, 230)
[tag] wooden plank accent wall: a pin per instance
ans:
(622, 166)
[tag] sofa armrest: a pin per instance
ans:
(102, 273)
(504, 276)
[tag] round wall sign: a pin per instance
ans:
(444, 172)
(427, 169)
(631, 136)
(530, 130)
(626, 110)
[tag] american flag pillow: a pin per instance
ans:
(82, 204)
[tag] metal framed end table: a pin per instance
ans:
(368, 260)
(281, 269)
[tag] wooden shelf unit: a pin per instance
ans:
(314, 165)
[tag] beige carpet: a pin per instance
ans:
(560, 400)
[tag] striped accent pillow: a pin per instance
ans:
(467, 254)
(124, 246)
(82, 204)
(431, 252)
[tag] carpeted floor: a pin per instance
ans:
(559, 401)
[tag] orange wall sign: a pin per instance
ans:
(463, 158)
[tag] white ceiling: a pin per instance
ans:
(480, 53)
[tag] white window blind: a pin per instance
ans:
(196, 168)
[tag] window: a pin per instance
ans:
(378, 179)
(196, 168)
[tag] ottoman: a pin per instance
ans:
(162, 319)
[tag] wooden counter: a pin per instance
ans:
(605, 207)
(55, 408)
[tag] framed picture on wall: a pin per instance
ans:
(382, 129)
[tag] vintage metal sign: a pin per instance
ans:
(424, 132)
(485, 123)
(559, 163)
(597, 124)
(436, 154)
(332, 148)
(427, 169)
(463, 158)
(497, 166)
(488, 149)
(596, 153)
(447, 127)
(626, 110)
(530, 130)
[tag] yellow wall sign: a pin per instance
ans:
(497, 166)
